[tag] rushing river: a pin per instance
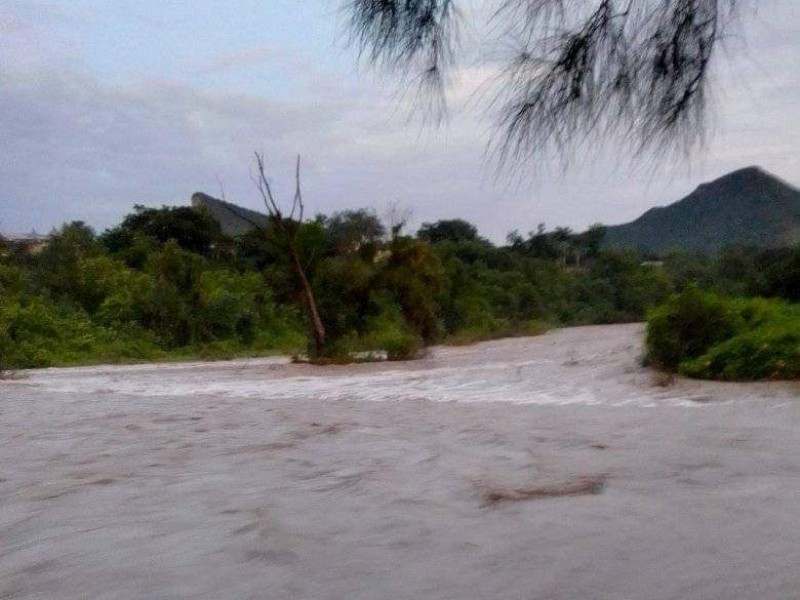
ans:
(265, 479)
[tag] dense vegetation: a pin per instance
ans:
(736, 317)
(701, 334)
(166, 283)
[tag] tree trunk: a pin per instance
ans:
(289, 233)
(315, 322)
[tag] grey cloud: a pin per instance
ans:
(249, 57)
(79, 148)
(75, 147)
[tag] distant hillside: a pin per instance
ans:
(233, 219)
(746, 207)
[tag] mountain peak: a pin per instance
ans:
(752, 170)
(748, 206)
(745, 174)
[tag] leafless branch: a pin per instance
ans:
(289, 233)
(297, 203)
(265, 189)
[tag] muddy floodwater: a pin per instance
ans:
(260, 479)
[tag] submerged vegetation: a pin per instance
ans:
(168, 284)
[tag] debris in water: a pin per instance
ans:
(664, 379)
(581, 486)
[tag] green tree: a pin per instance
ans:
(448, 230)
(58, 264)
(193, 230)
(288, 228)
(413, 274)
(782, 273)
(352, 230)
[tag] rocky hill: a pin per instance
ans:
(747, 207)
(233, 219)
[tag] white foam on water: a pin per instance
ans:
(518, 382)
(583, 366)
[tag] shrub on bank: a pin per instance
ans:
(38, 333)
(388, 331)
(706, 336)
(497, 329)
(687, 325)
(758, 354)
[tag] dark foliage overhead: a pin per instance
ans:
(633, 70)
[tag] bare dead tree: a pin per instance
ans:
(582, 70)
(397, 217)
(287, 226)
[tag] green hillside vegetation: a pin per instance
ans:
(748, 207)
(169, 284)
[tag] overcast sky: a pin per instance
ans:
(108, 103)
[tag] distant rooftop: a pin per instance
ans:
(31, 236)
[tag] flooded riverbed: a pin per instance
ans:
(264, 479)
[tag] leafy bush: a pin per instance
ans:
(12, 281)
(403, 345)
(388, 331)
(687, 325)
(5, 346)
(761, 354)
(706, 336)
(38, 333)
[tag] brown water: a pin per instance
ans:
(261, 479)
